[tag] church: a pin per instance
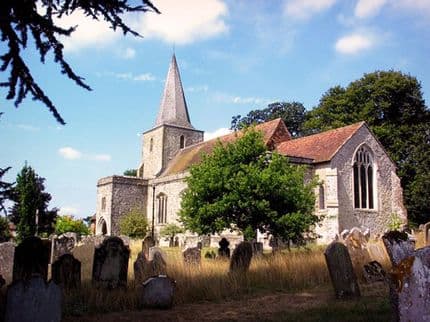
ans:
(358, 187)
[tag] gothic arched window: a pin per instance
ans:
(162, 208)
(181, 142)
(363, 169)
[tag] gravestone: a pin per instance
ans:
(192, 256)
(426, 229)
(142, 268)
(63, 244)
(199, 245)
(111, 263)
(356, 242)
(341, 271)
(257, 249)
(373, 272)
(147, 243)
(410, 287)
(158, 292)
(398, 246)
(66, 271)
(33, 301)
(31, 258)
(154, 250)
(84, 253)
(223, 250)
(7, 251)
(241, 258)
(377, 252)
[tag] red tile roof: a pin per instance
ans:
(319, 147)
(274, 132)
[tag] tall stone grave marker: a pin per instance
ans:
(66, 271)
(192, 256)
(85, 254)
(7, 251)
(111, 263)
(341, 271)
(33, 301)
(241, 258)
(31, 258)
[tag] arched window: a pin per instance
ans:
(321, 195)
(363, 179)
(151, 144)
(181, 142)
(162, 208)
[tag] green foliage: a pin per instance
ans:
(64, 224)
(392, 105)
(293, 114)
(4, 229)
(242, 186)
(395, 222)
(29, 198)
(171, 230)
(130, 172)
(134, 224)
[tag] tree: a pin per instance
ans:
(5, 190)
(29, 198)
(170, 231)
(134, 224)
(392, 104)
(130, 172)
(4, 230)
(293, 114)
(37, 20)
(64, 224)
(243, 186)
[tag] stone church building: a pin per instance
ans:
(359, 186)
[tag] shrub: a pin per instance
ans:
(67, 223)
(134, 224)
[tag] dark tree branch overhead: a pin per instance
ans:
(21, 18)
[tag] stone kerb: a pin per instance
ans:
(7, 251)
(341, 272)
(110, 266)
(33, 301)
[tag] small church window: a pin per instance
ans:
(103, 203)
(181, 142)
(162, 208)
(363, 179)
(321, 196)
(151, 144)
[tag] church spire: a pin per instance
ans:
(173, 107)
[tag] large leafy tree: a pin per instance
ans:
(293, 114)
(134, 224)
(25, 21)
(392, 104)
(29, 198)
(242, 185)
(64, 224)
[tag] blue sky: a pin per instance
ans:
(234, 56)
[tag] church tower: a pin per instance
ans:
(172, 130)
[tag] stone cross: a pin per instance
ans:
(66, 271)
(31, 258)
(7, 251)
(341, 271)
(110, 266)
(158, 292)
(33, 300)
(192, 256)
(241, 258)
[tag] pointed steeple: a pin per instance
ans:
(173, 107)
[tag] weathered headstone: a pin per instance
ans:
(257, 249)
(199, 245)
(377, 252)
(426, 229)
(398, 246)
(147, 243)
(223, 250)
(154, 250)
(356, 242)
(158, 292)
(31, 258)
(144, 268)
(373, 272)
(192, 256)
(66, 271)
(63, 244)
(241, 258)
(33, 301)
(111, 263)
(341, 271)
(84, 253)
(7, 251)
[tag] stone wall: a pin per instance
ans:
(152, 160)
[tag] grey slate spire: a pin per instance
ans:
(173, 107)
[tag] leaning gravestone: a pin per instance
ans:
(241, 258)
(158, 292)
(147, 243)
(7, 251)
(33, 301)
(223, 250)
(398, 246)
(192, 256)
(66, 271)
(31, 258)
(341, 271)
(111, 263)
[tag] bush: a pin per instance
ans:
(134, 224)
(66, 224)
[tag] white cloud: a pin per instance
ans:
(128, 53)
(304, 9)
(67, 210)
(100, 157)
(354, 43)
(231, 99)
(368, 8)
(69, 153)
(217, 133)
(420, 6)
(182, 23)
(27, 127)
(144, 77)
(196, 89)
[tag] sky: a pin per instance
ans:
(234, 56)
